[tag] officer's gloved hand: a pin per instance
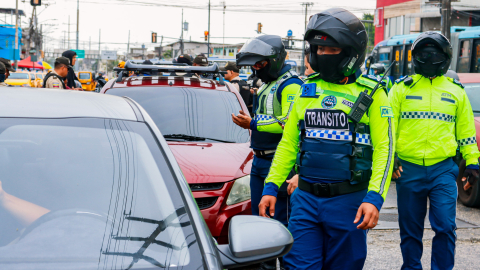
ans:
(397, 168)
(470, 176)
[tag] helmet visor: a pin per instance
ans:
(432, 57)
(259, 47)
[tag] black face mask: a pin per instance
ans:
(329, 66)
(430, 61)
(264, 74)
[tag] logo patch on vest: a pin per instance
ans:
(329, 102)
(326, 119)
(290, 98)
(347, 103)
(386, 111)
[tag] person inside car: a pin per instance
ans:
(25, 212)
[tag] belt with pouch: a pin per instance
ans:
(330, 189)
(263, 153)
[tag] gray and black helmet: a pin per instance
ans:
(338, 27)
(266, 47)
(442, 45)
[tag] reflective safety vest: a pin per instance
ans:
(433, 119)
(274, 103)
(326, 147)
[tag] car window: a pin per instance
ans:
(191, 111)
(89, 194)
(17, 75)
(32, 76)
(84, 76)
(473, 93)
(39, 76)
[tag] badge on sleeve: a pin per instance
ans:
(56, 85)
(290, 98)
(309, 90)
(386, 111)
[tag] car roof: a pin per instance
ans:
(469, 77)
(51, 103)
(174, 81)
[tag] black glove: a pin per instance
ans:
(396, 164)
(471, 173)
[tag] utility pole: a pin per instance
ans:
(306, 4)
(128, 46)
(68, 32)
(99, 41)
(161, 49)
(78, 20)
(90, 43)
(446, 12)
(181, 38)
(16, 35)
(224, 7)
(208, 44)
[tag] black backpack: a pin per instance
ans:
(244, 90)
(50, 75)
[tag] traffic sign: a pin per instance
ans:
(109, 55)
(289, 33)
(80, 53)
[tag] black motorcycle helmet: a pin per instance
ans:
(338, 27)
(379, 68)
(433, 40)
(266, 47)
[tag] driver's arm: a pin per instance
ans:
(23, 211)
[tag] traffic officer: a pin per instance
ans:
(55, 78)
(379, 70)
(266, 54)
(340, 178)
(433, 117)
(3, 70)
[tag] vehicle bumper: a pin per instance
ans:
(218, 216)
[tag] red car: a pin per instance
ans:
(194, 116)
(471, 81)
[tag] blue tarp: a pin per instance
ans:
(7, 42)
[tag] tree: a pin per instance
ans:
(167, 54)
(370, 31)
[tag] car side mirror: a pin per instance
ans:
(254, 239)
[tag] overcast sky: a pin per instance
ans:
(116, 17)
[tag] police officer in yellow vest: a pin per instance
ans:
(341, 179)
(433, 117)
(266, 54)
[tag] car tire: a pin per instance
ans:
(471, 197)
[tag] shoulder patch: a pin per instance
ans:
(56, 85)
(386, 111)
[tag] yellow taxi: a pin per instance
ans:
(87, 80)
(21, 79)
(39, 78)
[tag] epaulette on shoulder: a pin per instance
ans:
(369, 81)
(456, 82)
(401, 79)
(311, 76)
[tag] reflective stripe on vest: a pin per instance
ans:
(273, 90)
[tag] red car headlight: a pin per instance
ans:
(240, 191)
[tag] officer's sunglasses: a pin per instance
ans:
(433, 57)
(260, 64)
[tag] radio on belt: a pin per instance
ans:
(364, 100)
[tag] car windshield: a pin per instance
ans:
(85, 193)
(17, 75)
(473, 93)
(39, 76)
(202, 113)
(84, 76)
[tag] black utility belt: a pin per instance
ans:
(330, 189)
(264, 153)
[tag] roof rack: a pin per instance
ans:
(170, 68)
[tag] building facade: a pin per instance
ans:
(403, 17)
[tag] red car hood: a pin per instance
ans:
(212, 162)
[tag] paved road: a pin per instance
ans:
(384, 245)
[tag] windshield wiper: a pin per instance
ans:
(192, 138)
